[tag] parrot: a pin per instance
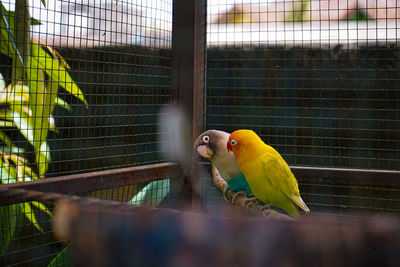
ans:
(212, 146)
(267, 173)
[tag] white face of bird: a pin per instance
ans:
(203, 149)
(210, 143)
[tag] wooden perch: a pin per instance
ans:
(244, 202)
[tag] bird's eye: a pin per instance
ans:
(233, 142)
(206, 139)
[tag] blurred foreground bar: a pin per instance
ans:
(124, 235)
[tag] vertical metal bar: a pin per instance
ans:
(199, 77)
(188, 62)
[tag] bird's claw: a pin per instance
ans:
(265, 207)
(249, 200)
(243, 193)
(224, 193)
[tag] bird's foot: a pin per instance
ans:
(243, 193)
(224, 192)
(249, 200)
(264, 206)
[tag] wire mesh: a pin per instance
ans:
(27, 233)
(23, 244)
(317, 80)
(81, 89)
(120, 58)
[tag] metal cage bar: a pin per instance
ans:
(188, 68)
(81, 183)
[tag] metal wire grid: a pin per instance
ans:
(91, 23)
(144, 194)
(301, 22)
(119, 129)
(288, 89)
(321, 88)
(120, 57)
(29, 247)
(351, 200)
(315, 112)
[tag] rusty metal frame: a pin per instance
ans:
(336, 176)
(87, 182)
(81, 183)
(355, 177)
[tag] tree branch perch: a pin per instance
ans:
(242, 201)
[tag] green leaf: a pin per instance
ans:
(7, 43)
(22, 170)
(43, 158)
(4, 115)
(51, 96)
(17, 160)
(41, 106)
(52, 124)
(8, 173)
(60, 102)
(3, 84)
(21, 90)
(18, 93)
(30, 173)
(62, 258)
(6, 123)
(21, 34)
(35, 22)
(11, 14)
(41, 207)
(10, 222)
(152, 194)
(24, 127)
(56, 72)
(6, 140)
(13, 150)
(30, 215)
(55, 54)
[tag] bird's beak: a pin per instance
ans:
(204, 151)
(228, 146)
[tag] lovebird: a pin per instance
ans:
(266, 172)
(212, 146)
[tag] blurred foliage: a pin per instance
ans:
(297, 13)
(26, 107)
(360, 16)
(62, 258)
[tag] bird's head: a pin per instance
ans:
(242, 139)
(210, 143)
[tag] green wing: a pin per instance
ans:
(277, 171)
